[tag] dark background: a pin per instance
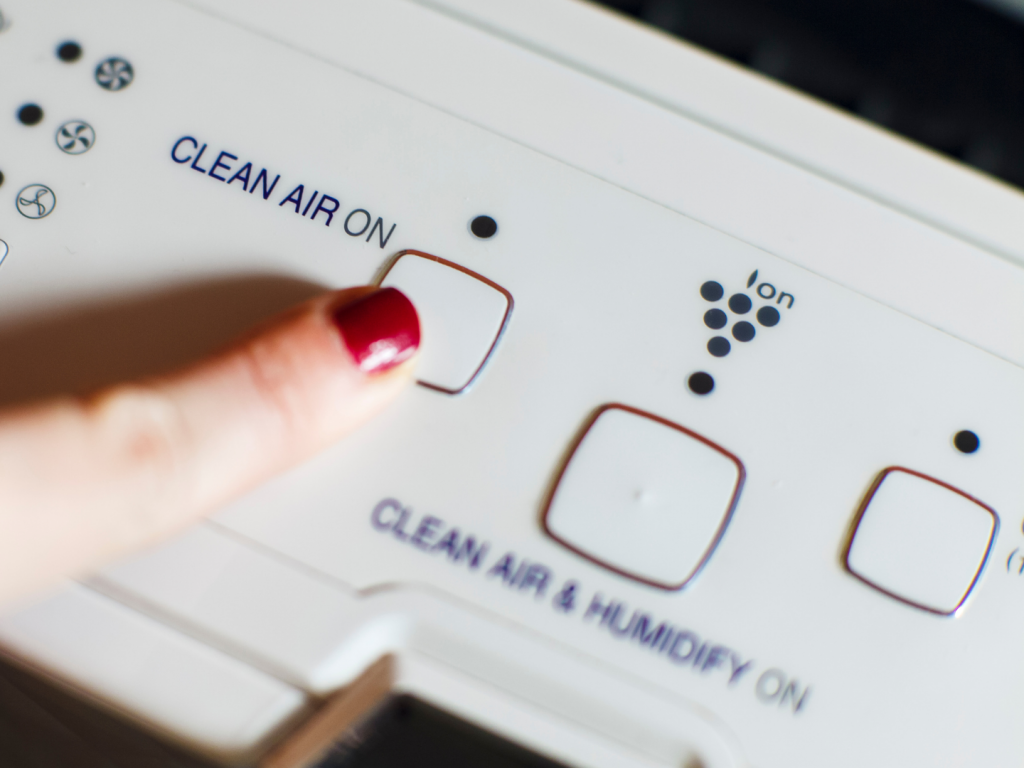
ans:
(948, 74)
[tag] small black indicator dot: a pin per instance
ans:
(768, 316)
(69, 51)
(715, 318)
(743, 331)
(483, 227)
(1, 178)
(739, 303)
(966, 441)
(30, 114)
(700, 383)
(719, 346)
(712, 291)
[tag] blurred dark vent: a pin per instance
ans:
(948, 74)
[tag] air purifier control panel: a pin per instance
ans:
(660, 495)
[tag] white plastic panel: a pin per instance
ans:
(644, 498)
(699, 136)
(461, 318)
(170, 682)
(760, 111)
(608, 309)
(921, 541)
(511, 681)
(297, 626)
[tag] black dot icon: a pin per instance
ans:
(966, 441)
(483, 227)
(768, 316)
(712, 291)
(700, 383)
(739, 303)
(30, 114)
(69, 51)
(743, 331)
(1, 178)
(715, 318)
(719, 346)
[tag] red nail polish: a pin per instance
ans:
(380, 329)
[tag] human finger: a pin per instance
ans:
(83, 480)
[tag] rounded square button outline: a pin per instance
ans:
(510, 303)
(719, 532)
(860, 516)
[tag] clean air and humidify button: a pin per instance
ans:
(644, 497)
(462, 317)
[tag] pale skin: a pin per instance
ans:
(86, 480)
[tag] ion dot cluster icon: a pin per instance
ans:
(734, 317)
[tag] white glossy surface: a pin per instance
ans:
(761, 112)
(643, 498)
(607, 310)
(921, 542)
(460, 318)
(700, 136)
(153, 674)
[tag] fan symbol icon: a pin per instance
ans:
(114, 74)
(76, 137)
(36, 201)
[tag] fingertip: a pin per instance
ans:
(380, 329)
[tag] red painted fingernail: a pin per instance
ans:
(380, 329)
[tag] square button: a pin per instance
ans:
(921, 541)
(644, 497)
(462, 316)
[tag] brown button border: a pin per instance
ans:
(859, 516)
(578, 440)
(510, 303)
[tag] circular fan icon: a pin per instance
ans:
(36, 201)
(76, 137)
(114, 74)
